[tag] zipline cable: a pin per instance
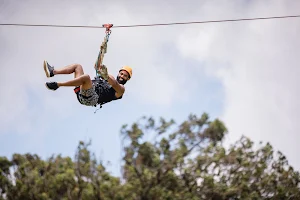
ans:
(162, 24)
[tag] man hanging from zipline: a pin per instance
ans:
(103, 89)
(91, 92)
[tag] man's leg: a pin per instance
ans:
(80, 79)
(84, 81)
(69, 69)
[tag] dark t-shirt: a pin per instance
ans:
(105, 91)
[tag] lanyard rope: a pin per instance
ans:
(103, 48)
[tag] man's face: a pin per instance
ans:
(122, 77)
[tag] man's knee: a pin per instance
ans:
(86, 77)
(78, 66)
(87, 82)
(78, 70)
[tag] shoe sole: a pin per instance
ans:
(46, 69)
(48, 87)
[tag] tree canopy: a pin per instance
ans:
(181, 161)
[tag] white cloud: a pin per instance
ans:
(257, 62)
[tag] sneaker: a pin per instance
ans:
(103, 72)
(52, 85)
(48, 69)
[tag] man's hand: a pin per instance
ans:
(103, 71)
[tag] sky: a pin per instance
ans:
(244, 73)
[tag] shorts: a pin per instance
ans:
(88, 97)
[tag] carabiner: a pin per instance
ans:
(107, 26)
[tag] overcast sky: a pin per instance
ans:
(242, 72)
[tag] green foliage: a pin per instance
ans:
(185, 161)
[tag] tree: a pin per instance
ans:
(190, 162)
(185, 161)
(57, 178)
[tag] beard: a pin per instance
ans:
(121, 81)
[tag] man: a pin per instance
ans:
(91, 92)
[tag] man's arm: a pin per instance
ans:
(120, 89)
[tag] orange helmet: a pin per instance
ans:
(128, 70)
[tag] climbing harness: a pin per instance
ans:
(103, 48)
(99, 61)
